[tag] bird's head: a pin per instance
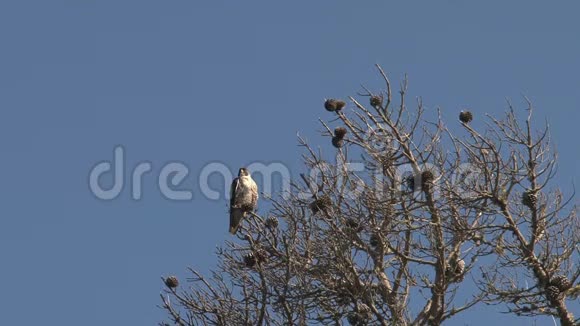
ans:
(243, 172)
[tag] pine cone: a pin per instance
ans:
(271, 222)
(427, 178)
(330, 105)
(552, 293)
(172, 282)
(465, 116)
(261, 256)
(334, 105)
(375, 240)
(352, 224)
(340, 132)
(364, 310)
(561, 282)
(529, 198)
(250, 260)
(337, 142)
(320, 204)
(410, 181)
(354, 319)
(358, 319)
(376, 101)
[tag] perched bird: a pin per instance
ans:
(243, 198)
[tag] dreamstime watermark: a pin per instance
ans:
(172, 178)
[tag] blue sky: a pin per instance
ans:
(230, 82)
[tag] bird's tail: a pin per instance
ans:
(236, 216)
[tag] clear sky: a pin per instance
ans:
(222, 81)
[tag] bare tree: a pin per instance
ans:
(536, 236)
(410, 225)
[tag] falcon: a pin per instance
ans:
(243, 198)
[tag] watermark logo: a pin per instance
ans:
(379, 139)
(174, 179)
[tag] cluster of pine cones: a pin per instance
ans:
(557, 286)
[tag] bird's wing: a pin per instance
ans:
(254, 190)
(236, 213)
(236, 216)
(233, 190)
